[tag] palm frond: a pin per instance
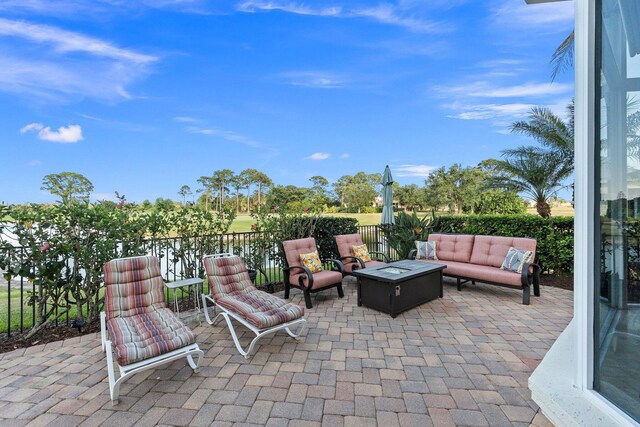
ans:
(562, 58)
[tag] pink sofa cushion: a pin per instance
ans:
(346, 242)
(482, 273)
(492, 250)
(454, 247)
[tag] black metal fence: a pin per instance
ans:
(179, 258)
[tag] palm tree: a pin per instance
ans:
(220, 179)
(562, 58)
(534, 172)
(185, 191)
(207, 184)
(550, 131)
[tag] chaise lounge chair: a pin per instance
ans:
(231, 291)
(136, 325)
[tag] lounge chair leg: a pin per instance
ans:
(459, 284)
(340, 291)
(296, 335)
(192, 363)
(307, 299)
(114, 386)
(286, 290)
(526, 294)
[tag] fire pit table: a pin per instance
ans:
(399, 286)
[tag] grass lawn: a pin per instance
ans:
(243, 222)
(555, 211)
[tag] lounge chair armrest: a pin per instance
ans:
(338, 264)
(357, 260)
(305, 271)
(412, 254)
(381, 254)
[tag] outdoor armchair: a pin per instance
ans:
(231, 291)
(136, 325)
(345, 244)
(297, 275)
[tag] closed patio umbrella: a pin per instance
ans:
(387, 198)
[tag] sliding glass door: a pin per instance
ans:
(617, 214)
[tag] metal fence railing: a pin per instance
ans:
(179, 258)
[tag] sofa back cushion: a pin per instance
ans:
(454, 247)
(346, 242)
(492, 250)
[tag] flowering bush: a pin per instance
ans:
(62, 248)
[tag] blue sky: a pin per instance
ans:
(143, 97)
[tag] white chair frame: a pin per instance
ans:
(127, 371)
(228, 315)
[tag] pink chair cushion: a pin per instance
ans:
(348, 266)
(454, 247)
(293, 249)
(346, 242)
(492, 250)
(320, 280)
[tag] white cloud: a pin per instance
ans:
(314, 79)
(319, 156)
(422, 171)
(344, 156)
(519, 14)
(252, 6)
(224, 134)
(34, 163)
(67, 41)
(64, 135)
(62, 64)
(384, 13)
(388, 14)
(184, 119)
(490, 111)
(482, 89)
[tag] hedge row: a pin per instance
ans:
(554, 235)
(326, 227)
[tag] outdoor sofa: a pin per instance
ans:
(480, 258)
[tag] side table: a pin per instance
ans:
(195, 282)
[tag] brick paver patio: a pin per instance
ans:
(461, 360)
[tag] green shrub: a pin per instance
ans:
(492, 202)
(326, 227)
(407, 229)
(554, 250)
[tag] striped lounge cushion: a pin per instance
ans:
(231, 288)
(133, 286)
(147, 335)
